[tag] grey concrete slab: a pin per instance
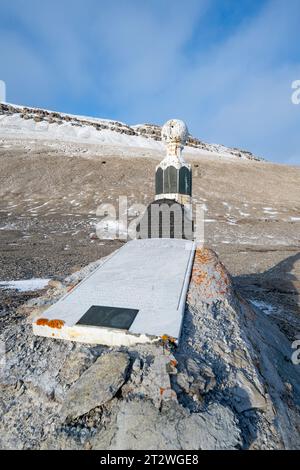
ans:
(150, 276)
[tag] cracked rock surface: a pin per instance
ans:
(97, 385)
(230, 384)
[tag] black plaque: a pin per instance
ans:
(159, 187)
(170, 180)
(185, 181)
(110, 317)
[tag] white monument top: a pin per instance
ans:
(175, 134)
(175, 130)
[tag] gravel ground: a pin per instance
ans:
(49, 195)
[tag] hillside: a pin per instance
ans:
(50, 191)
(36, 123)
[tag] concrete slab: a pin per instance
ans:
(151, 276)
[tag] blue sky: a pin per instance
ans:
(224, 66)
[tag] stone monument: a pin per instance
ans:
(170, 214)
(139, 293)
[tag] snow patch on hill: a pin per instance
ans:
(19, 122)
(15, 126)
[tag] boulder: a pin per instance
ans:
(97, 385)
(140, 425)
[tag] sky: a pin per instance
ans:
(226, 67)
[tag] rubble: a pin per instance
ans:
(229, 384)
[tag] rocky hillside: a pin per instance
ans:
(92, 130)
(229, 384)
(153, 131)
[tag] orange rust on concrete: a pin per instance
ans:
(42, 321)
(161, 390)
(51, 323)
(168, 338)
(56, 323)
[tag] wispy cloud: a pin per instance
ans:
(226, 70)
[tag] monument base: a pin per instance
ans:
(138, 295)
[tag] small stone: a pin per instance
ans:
(93, 236)
(55, 284)
(246, 396)
(192, 367)
(183, 382)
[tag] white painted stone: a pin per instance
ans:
(174, 134)
(149, 275)
(175, 130)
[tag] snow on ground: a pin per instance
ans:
(25, 285)
(266, 308)
(111, 229)
(15, 126)
(8, 227)
(244, 214)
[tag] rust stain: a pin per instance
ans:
(209, 274)
(172, 340)
(168, 338)
(198, 276)
(203, 255)
(42, 321)
(56, 323)
(161, 390)
(51, 323)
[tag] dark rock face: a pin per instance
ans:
(230, 383)
(153, 131)
(240, 358)
(165, 218)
